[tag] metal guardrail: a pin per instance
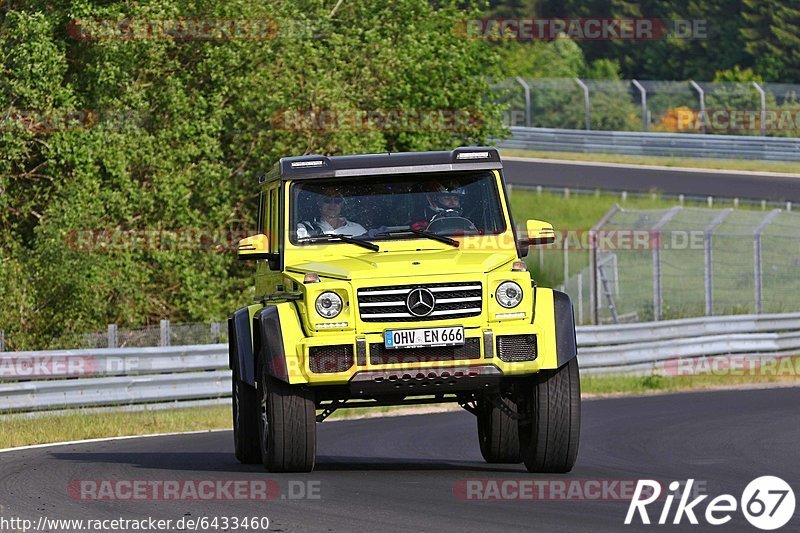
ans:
(124, 376)
(654, 144)
(121, 390)
(606, 336)
(111, 362)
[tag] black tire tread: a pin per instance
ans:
(291, 434)
(552, 447)
(294, 427)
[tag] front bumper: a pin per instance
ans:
(358, 360)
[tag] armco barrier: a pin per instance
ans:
(653, 144)
(46, 380)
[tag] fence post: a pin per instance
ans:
(580, 297)
(594, 285)
(763, 107)
(586, 112)
(657, 306)
(657, 293)
(707, 266)
(215, 332)
(527, 89)
(757, 272)
(702, 95)
(165, 332)
(643, 92)
(112, 336)
(594, 296)
(2, 341)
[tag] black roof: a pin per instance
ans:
(320, 166)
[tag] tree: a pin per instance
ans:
(772, 38)
(123, 206)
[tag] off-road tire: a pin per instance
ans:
(287, 425)
(550, 431)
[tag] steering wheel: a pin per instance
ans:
(452, 226)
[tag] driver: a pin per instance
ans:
(443, 202)
(329, 220)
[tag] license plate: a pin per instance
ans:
(423, 338)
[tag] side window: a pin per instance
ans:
(274, 219)
(263, 210)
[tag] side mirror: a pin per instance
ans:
(254, 247)
(540, 232)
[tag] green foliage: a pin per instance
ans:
(736, 74)
(758, 34)
(772, 38)
(170, 135)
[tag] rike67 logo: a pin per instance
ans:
(768, 503)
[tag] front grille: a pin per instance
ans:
(388, 304)
(516, 348)
(330, 359)
(380, 355)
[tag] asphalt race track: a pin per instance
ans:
(399, 473)
(630, 178)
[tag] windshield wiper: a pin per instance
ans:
(343, 238)
(418, 233)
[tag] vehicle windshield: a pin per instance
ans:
(396, 207)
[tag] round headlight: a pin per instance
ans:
(329, 304)
(509, 294)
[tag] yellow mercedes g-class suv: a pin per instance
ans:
(397, 279)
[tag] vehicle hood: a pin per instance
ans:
(405, 264)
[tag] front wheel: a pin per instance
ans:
(287, 425)
(550, 429)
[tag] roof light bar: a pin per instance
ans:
(472, 155)
(300, 164)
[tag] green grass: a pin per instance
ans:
(21, 431)
(628, 385)
(686, 162)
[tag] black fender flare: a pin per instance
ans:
(240, 346)
(268, 338)
(243, 353)
(564, 319)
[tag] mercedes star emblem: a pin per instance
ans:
(420, 302)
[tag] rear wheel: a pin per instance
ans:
(550, 429)
(287, 425)
(498, 432)
(245, 421)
